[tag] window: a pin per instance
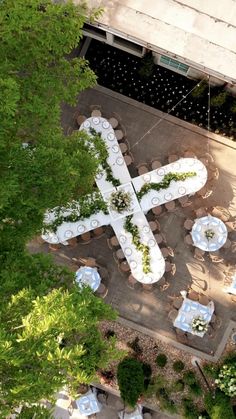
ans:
(94, 31)
(175, 65)
(127, 45)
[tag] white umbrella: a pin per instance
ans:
(209, 233)
(88, 276)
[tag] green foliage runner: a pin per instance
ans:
(165, 183)
(133, 229)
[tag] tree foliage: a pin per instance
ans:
(130, 380)
(36, 76)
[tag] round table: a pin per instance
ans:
(209, 233)
(88, 276)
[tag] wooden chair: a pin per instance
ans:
(158, 238)
(227, 244)
(177, 302)
(128, 158)
(190, 154)
(54, 247)
(102, 291)
(157, 210)
(142, 169)
(72, 242)
(188, 240)
(193, 295)
(170, 206)
(155, 164)
(103, 272)
(124, 267)
(95, 108)
(112, 242)
(115, 258)
(114, 122)
(222, 213)
(170, 250)
(147, 287)
(87, 261)
(203, 299)
(188, 224)
(201, 212)
(167, 266)
(165, 252)
(132, 282)
(123, 148)
(120, 254)
(98, 232)
(216, 258)
(153, 225)
(96, 113)
(172, 158)
(199, 254)
(172, 314)
(85, 238)
(119, 134)
(80, 119)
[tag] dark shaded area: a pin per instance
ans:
(161, 88)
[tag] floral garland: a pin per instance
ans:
(165, 183)
(209, 234)
(81, 209)
(103, 155)
(133, 230)
(120, 201)
(199, 324)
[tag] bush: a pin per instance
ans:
(195, 389)
(189, 378)
(211, 370)
(178, 386)
(219, 407)
(200, 89)
(161, 360)
(226, 379)
(110, 334)
(147, 370)
(178, 366)
(146, 66)
(134, 344)
(189, 409)
(130, 380)
(219, 100)
(155, 384)
(165, 402)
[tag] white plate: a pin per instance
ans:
(122, 239)
(168, 196)
(86, 124)
(182, 190)
(81, 228)
(133, 264)
(94, 223)
(96, 121)
(155, 201)
(146, 229)
(68, 234)
(120, 161)
(160, 171)
(146, 177)
(128, 251)
(105, 124)
(111, 136)
(151, 243)
(115, 148)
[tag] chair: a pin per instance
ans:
(158, 238)
(112, 242)
(177, 302)
(222, 213)
(190, 154)
(193, 295)
(216, 322)
(85, 237)
(188, 240)
(215, 258)
(72, 242)
(95, 108)
(167, 266)
(201, 212)
(172, 314)
(102, 291)
(89, 261)
(157, 210)
(103, 272)
(170, 206)
(153, 225)
(155, 164)
(227, 244)
(115, 258)
(96, 113)
(147, 287)
(132, 282)
(123, 148)
(183, 199)
(231, 226)
(188, 224)
(170, 250)
(80, 119)
(142, 169)
(113, 121)
(124, 267)
(198, 254)
(119, 134)
(203, 299)
(54, 247)
(98, 232)
(165, 252)
(172, 158)
(128, 158)
(120, 254)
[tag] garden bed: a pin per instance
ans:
(162, 89)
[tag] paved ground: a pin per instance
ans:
(150, 309)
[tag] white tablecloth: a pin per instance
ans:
(88, 404)
(209, 223)
(115, 159)
(88, 276)
(133, 256)
(176, 189)
(188, 311)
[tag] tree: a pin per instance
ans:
(49, 341)
(36, 76)
(130, 380)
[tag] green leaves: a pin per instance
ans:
(133, 229)
(130, 380)
(165, 183)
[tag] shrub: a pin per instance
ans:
(165, 402)
(189, 409)
(146, 66)
(219, 100)
(178, 386)
(200, 89)
(211, 370)
(189, 378)
(134, 344)
(155, 384)
(161, 360)
(219, 407)
(147, 370)
(178, 366)
(130, 380)
(195, 389)
(226, 379)
(110, 334)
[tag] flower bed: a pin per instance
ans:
(162, 89)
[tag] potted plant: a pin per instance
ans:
(199, 324)
(120, 201)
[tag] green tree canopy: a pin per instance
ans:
(36, 76)
(48, 338)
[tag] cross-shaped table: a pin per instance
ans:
(151, 199)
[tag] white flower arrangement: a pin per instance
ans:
(209, 234)
(120, 201)
(199, 324)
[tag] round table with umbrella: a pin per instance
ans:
(88, 276)
(209, 233)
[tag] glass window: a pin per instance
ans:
(169, 62)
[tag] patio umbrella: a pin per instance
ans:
(209, 233)
(88, 276)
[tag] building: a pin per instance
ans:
(192, 37)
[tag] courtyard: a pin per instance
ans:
(147, 309)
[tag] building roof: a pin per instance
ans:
(199, 32)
